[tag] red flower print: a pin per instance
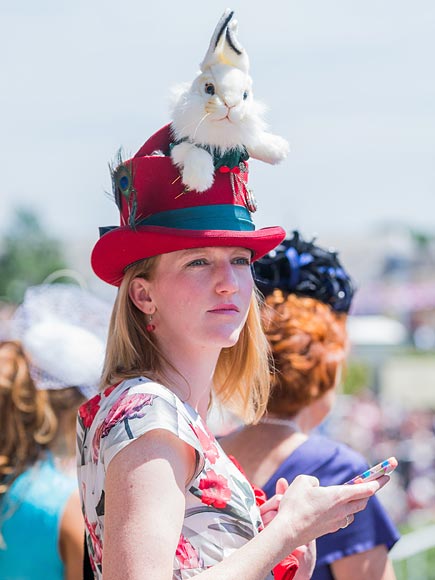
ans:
(88, 410)
(128, 406)
(107, 391)
(287, 568)
(186, 554)
(207, 443)
(97, 556)
(260, 495)
(215, 490)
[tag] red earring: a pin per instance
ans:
(150, 327)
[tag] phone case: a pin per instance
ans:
(383, 468)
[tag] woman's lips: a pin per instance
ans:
(224, 309)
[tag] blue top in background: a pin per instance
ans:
(30, 517)
(334, 463)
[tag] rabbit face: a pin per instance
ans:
(216, 108)
(217, 112)
(228, 91)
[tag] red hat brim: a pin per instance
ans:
(123, 246)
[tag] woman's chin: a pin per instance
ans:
(229, 340)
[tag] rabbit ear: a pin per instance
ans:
(224, 47)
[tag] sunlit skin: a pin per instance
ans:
(201, 297)
(199, 300)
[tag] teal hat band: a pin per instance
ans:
(203, 217)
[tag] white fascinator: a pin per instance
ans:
(63, 329)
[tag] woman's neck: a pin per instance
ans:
(290, 424)
(190, 376)
(303, 422)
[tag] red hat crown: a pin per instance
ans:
(158, 215)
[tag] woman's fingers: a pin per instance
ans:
(305, 481)
(361, 494)
(363, 490)
(281, 486)
(315, 510)
(356, 506)
(348, 520)
(270, 508)
(382, 481)
(267, 517)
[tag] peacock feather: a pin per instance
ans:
(122, 186)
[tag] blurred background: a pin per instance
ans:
(350, 85)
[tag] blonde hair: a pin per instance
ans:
(241, 378)
(27, 421)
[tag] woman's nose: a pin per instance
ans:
(226, 280)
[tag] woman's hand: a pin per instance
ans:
(306, 554)
(307, 511)
(270, 507)
(307, 560)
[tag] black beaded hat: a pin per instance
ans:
(305, 269)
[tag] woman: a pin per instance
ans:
(61, 330)
(308, 295)
(161, 499)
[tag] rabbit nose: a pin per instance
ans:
(231, 100)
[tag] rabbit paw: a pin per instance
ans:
(196, 166)
(270, 149)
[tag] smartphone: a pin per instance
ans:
(375, 472)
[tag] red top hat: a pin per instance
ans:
(159, 216)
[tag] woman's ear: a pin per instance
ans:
(139, 295)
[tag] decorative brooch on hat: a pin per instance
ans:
(303, 268)
(216, 123)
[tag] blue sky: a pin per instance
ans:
(350, 84)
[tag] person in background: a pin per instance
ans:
(308, 294)
(48, 368)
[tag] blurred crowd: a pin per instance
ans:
(379, 430)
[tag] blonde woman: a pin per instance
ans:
(160, 497)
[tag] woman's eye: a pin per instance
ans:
(242, 261)
(245, 95)
(198, 262)
(209, 88)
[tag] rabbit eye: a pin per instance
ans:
(209, 88)
(245, 95)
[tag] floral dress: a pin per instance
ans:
(220, 515)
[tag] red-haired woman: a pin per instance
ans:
(307, 297)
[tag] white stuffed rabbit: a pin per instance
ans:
(215, 120)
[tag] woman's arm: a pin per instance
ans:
(72, 530)
(373, 564)
(145, 503)
(144, 506)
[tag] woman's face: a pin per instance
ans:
(201, 296)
